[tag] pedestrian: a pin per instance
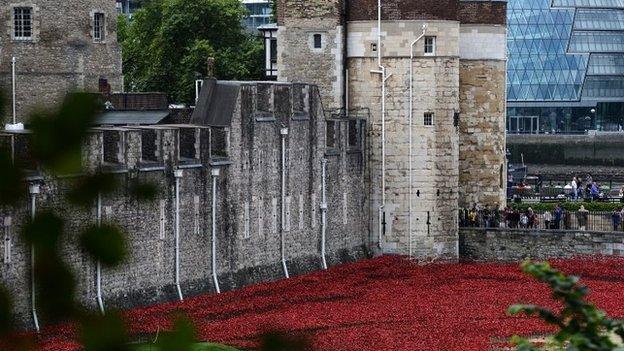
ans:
(558, 216)
(583, 218)
(547, 219)
(531, 218)
(524, 220)
(574, 185)
(595, 191)
(472, 216)
(579, 186)
(616, 218)
(487, 216)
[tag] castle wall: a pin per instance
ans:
(248, 209)
(62, 55)
(482, 164)
(435, 148)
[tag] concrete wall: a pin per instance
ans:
(62, 55)
(516, 245)
(248, 209)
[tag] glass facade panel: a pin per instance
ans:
(565, 66)
(599, 20)
(589, 3)
(597, 42)
(539, 67)
(606, 64)
(604, 87)
(259, 14)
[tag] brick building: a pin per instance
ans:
(58, 46)
(449, 136)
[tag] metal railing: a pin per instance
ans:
(544, 220)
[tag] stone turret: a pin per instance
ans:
(58, 46)
(457, 130)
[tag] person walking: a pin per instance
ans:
(558, 216)
(595, 191)
(574, 185)
(547, 219)
(531, 218)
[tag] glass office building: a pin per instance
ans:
(259, 14)
(566, 66)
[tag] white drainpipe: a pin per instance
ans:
(411, 121)
(178, 175)
(34, 190)
(384, 78)
(324, 215)
(14, 76)
(215, 278)
(98, 270)
(283, 133)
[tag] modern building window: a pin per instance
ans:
(99, 27)
(428, 118)
(23, 23)
(318, 41)
(430, 46)
(589, 3)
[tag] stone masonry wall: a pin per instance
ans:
(482, 168)
(435, 148)
(62, 56)
(494, 245)
(298, 59)
(249, 205)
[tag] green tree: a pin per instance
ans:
(581, 326)
(167, 43)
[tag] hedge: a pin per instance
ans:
(569, 206)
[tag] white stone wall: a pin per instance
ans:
(397, 37)
(483, 42)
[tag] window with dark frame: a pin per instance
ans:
(331, 134)
(22, 23)
(99, 28)
(318, 42)
(354, 135)
(428, 118)
(430, 45)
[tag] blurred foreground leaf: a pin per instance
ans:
(105, 243)
(86, 190)
(104, 333)
(58, 137)
(12, 186)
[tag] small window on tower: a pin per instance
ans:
(99, 28)
(22, 23)
(430, 46)
(428, 118)
(318, 42)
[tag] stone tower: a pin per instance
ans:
(438, 150)
(311, 46)
(58, 46)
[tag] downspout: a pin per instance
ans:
(283, 133)
(34, 190)
(411, 125)
(98, 270)
(178, 175)
(13, 81)
(345, 53)
(384, 77)
(215, 278)
(324, 214)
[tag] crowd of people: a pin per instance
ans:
(558, 218)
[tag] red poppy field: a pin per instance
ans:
(386, 303)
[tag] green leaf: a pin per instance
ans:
(86, 190)
(105, 243)
(12, 186)
(103, 333)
